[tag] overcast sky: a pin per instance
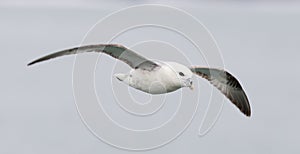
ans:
(259, 44)
(123, 3)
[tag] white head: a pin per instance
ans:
(183, 73)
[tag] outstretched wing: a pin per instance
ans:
(117, 51)
(227, 84)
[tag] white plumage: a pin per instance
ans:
(158, 77)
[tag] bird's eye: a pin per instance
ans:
(181, 74)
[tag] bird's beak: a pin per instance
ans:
(190, 84)
(192, 87)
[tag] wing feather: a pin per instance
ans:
(227, 84)
(117, 51)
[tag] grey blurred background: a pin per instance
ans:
(259, 41)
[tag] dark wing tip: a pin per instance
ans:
(236, 94)
(245, 110)
(240, 100)
(50, 56)
(238, 97)
(231, 87)
(31, 63)
(36, 61)
(247, 113)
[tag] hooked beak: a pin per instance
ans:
(191, 87)
(190, 84)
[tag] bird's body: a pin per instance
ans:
(161, 80)
(159, 77)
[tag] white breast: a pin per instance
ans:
(158, 81)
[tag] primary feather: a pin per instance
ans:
(117, 51)
(227, 84)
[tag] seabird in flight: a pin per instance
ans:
(159, 77)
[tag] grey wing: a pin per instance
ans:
(228, 85)
(117, 51)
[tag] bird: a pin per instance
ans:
(160, 77)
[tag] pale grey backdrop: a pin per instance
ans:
(259, 42)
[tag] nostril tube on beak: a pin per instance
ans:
(190, 85)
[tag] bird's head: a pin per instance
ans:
(183, 74)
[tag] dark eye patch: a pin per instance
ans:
(181, 74)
